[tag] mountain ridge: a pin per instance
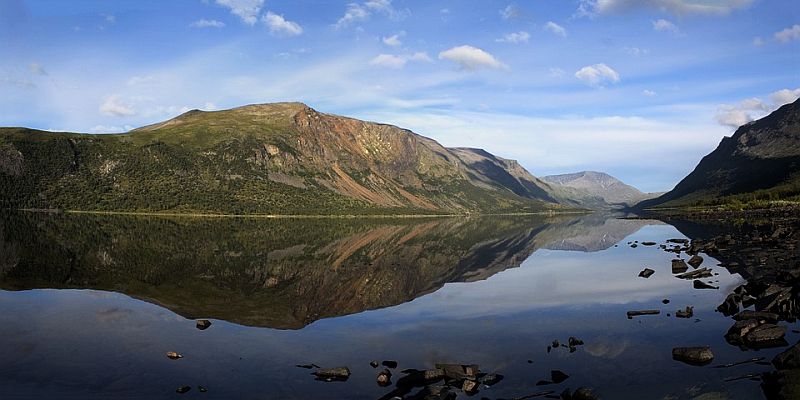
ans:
(274, 158)
(760, 161)
(597, 190)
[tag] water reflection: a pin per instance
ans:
(494, 292)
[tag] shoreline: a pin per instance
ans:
(294, 216)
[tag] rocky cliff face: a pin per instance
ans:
(760, 161)
(283, 158)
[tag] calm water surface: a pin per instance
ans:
(90, 305)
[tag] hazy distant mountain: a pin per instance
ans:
(760, 161)
(596, 190)
(282, 158)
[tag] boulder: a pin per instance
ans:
(698, 284)
(736, 333)
(337, 373)
(693, 355)
(695, 261)
(765, 333)
(203, 324)
(789, 359)
(173, 355)
(757, 315)
(384, 378)
(679, 266)
(458, 371)
(687, 313)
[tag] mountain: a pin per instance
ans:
(761, 161)
(595, 190)
(281, 158)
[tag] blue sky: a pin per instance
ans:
(641, 89)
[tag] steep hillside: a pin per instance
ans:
(761, 161)
(283, 158)
(596, 190)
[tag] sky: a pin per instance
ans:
(640, 89)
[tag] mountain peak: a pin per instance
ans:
(595, 184)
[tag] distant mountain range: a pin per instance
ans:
(596, 190)
(281, 158)
(761, 161)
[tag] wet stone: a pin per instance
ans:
(679, 266)
(698, 284)
(686, 313)
(646, 273)
(202, 324)
(693, 355)
(183, 389)
(695, 261)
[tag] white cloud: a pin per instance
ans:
(113, 106)
(470, 58)
(109, 18)
(555, 28)
(280, 26)
(597, 75)
(788, 34)
(37, 69)
(784, 96)
(207, 23)
(394, 40)
(664, 25)
(247, 10)
(515, 37)
(758, 41)
(674, 7)
(362, 11)
(736, 115)
(398, 61)
(648, 93)
(511, 11)
(389, 61)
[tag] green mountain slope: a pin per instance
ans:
(282, 158)
(761, 161)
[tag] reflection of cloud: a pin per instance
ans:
(114, 314)
(607, 347)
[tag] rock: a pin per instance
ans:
(307, 366)
(679, 266)
(699, 273)
(202, 389)
(173, 355)
(730, 306)
(633, 246)
(183, 389)
(374, 364)
(558, 376)
(491, 379)
(555, 344)
(458, 371)
(334, 373)
(203, 324)
(736, 333)
(469, 386)
(574, 341)
(433, 374)
(584, 394)
(648, 243)
(687, 313)
(646, 273)
(782, 384)
(390, 363)
(757, 315)
(384, 378)
(765, 333)
(695, 261)
(789, 359)
(678, 241)
(637, 313)
(693, 355)
(698, 284)
(665, 301)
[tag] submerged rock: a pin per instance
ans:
(337, 373)
(173, 355)
(695, 261)
(756, 315)
(637, 313)
(558, 376)
(390, 363)
(699, 273)
(693, 355)
(384, 378)
(646, 273)
(458, 371)
(183, 389)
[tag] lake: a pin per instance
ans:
(90, 304)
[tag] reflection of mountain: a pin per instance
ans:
(591, 232)
(275, 273)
